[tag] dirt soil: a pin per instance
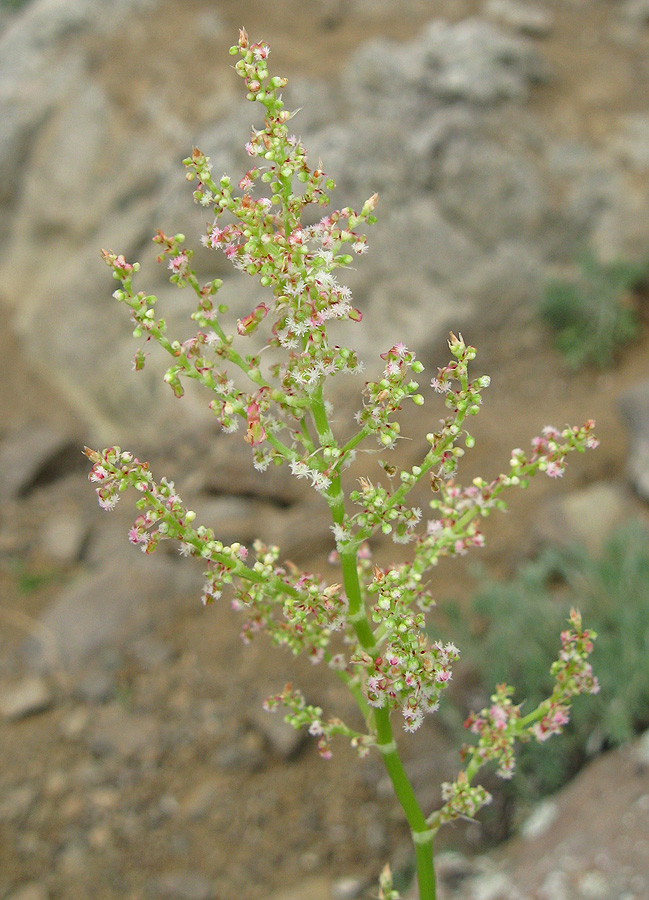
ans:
(218, 799)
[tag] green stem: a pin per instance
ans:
(422, 835)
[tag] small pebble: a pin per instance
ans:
(33, 890)
(183, 886)
(30, 696)
(347, 888)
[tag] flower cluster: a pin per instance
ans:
(303, 619)
(383, 398)
(267, 238)
(375, 614)
(303, 715)
(455, 529)
(409, 673)
(573, 675)
(501, 724)
(462, 800)
(497, 729)
(379, 510)
(386, 887)
(549, 451)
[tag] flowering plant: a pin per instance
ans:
(369, 627)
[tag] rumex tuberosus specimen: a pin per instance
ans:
(368, 626)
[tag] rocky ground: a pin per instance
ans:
(136, 759)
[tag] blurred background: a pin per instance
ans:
(509, 144)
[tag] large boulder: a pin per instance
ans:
(477, 203)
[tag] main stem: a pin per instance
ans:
(422, 835)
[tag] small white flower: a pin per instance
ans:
(320, 481)
(299, 468)
(109, 503)
(340, 533)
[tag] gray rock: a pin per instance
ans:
(375, 833)
(503, 288)
(634, 407)
(284, 740)
(308, 889)
(64, 536)
(26, 97)
(151, 653)
(201, 799)
(556, 885)
(569, 158)
(379, 143)
(74, 723)
(494, 886)
(183, 886)
(420, 311)
(26, 456)
(475, 62)
(632, 143)
(228, 472)
(167, 806)
(96, 686)
(454, 868)
(490, 192)
(110, 608)
(621, 230)
(636, 11)
(16, 802)
(34, 890)
(587, 516)
(54, 114)
(127, 734)
(247, 753)
(433, 246)
(72, 860)
(232, 518)
(33, 75)
(540, 820)
(30, 696)
(471, 61)
(381, 74)
(348, 887)
(529, 19)
(594, 885)
(592, 188)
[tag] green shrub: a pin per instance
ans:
(511, 637)
(592, 316)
